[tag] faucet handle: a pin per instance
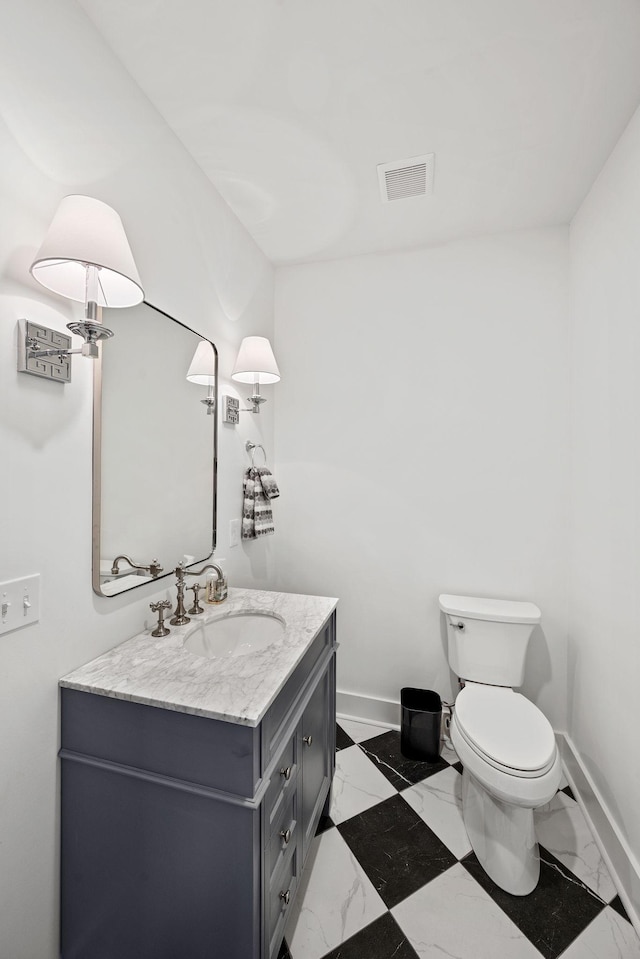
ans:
(196, 608)
(159, 608)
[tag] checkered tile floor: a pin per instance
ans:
(392, 875)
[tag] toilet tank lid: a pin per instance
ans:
(494, 610)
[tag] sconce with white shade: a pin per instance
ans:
(85, 256)
(255, 364)
(203, 372)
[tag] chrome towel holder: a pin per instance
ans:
(252, 447)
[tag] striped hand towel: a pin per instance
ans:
(259, 487)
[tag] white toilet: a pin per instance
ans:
(506, 745)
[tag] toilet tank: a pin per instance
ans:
(488, 638)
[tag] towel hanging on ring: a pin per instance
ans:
(258, 489)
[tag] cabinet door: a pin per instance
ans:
(315, 734)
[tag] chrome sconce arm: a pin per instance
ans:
(92, 333)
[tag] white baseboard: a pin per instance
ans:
(620, 860)
(366, 709)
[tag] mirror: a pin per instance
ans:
(154, 452)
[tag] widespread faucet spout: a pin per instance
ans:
(154, 566)
(220, 589)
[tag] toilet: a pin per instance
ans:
(506, 745)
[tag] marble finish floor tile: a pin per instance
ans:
(609, 936)
(384, 751)
(343, 741)
(562, 829)
(284, 951)
(438, 802)
(325, 823)
(358, 732)
(357, 785)
(383, 939)
(336, 900)
(397, 850)
(616, 903)
(554, 914)
(385, 883)
(454, 917)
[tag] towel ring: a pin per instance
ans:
(252, 447)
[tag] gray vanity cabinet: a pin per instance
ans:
(184, 836)
(317, 760)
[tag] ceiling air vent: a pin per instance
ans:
(405, 178)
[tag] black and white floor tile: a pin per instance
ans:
(392, 874)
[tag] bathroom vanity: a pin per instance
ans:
(192, 786)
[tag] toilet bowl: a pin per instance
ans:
(506, 745)
(511, 766)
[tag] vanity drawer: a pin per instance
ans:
(283, 835)
(280, 898)
(282, 785)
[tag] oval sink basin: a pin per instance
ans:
(235, 634)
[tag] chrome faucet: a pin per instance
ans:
(220, 590)
(154, 566)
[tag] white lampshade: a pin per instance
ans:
(255, 362)
(85, 231)
(203, 365)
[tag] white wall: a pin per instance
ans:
(421, 439)
(604, 644)
(71, 120)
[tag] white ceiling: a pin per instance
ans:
(289, 105)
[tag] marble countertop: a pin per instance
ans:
(236, 689)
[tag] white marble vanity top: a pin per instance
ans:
(160, 672)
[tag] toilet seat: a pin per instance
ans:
(505, 730)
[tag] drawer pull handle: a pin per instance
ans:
(307, 740)
(286, 772)
(285, 835)
(286, 897)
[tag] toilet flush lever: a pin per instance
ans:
(459, 626)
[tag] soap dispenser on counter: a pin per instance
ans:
(215, 585)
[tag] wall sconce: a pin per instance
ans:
(255, 364)
(203, 372)
(85, 256)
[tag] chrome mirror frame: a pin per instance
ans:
(98, 465)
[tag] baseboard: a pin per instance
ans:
(366, 709)
(620, 860)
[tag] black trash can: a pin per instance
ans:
(421, 722)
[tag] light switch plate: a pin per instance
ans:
(234, 533)
(19, 602)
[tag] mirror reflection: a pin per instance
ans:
(154, 450)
